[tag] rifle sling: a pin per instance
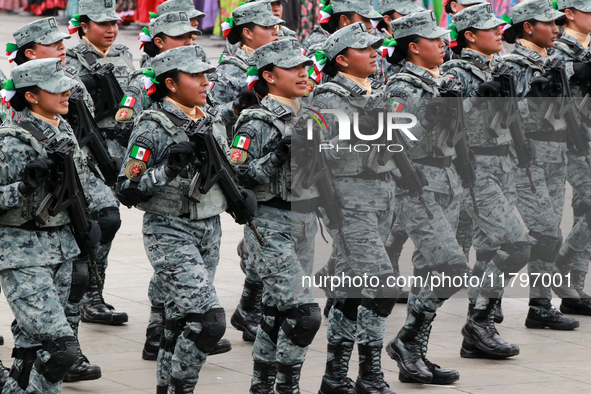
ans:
(39, 136)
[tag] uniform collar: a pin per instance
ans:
(193, 113)
(583, 40)
(176, 111)
(49, 130)
(479, 59)
(243, 55)
(278, 108)
(532, 55)
(533, 47)
(98, 51)
(419, 71)
(339, 78)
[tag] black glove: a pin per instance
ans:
(282, 152)
(35, 173)
(298, 145)
(123, 132)
(539, 87)
(489, 89)
(582, 73)
(531, 148)
(91, 82)
(94, 234)
(180, 156)
(249, 203)
(436, 110)
(244, 100)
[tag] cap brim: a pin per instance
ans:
(370, 14)
(61, 85)
(435, 33)
(370, 41)
(196, 68)
(53, 38)
(554, 16)
(294, 61)
(196, 14)
(269, 21)
(108, 17)
(471, 2)
(179, 31)
(490, 24)
(411, 9)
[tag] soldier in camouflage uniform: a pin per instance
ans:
(29, 38)
(97, 28)
(367, 201)
(454, 6)
(181, 236)
(501, 243)
(541, 212)
(262, 149)
(437, 252)
(39, 259)
(277, 9)
(573, 47)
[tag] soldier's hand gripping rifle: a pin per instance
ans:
(88, 134)
(567, 110)
(508, 116)
(69, 195)
(104, 89)
(457, 138)
(316, 171)
(215, 168)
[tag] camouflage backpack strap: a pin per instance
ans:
(523, 61)
(331, 87)
(83, 54)
(24, 134)
(420, 83)
(259, 114)
(234, 60)
(164, 119)
(465, 65)
(577, 51)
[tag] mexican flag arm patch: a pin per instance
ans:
(241, 142)
(140, 153)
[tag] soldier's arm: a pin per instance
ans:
(14, 156)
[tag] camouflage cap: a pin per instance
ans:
(43, 31)
(283, 53)
(352, 36)
(481, 17)
(579, 5)
(266, 1)
(98, 10)
(173, 24)
(470, 2)
(47, 74)
(186, 59)
(258, 12)
(361, 7)
(404, 7)
(423, 24)
(539, 10)
(180, 5)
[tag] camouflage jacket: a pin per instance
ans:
(154, 134)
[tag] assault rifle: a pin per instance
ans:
(215, 168)
(508, 116)
(88, 134)
(69, 195)
(565, 108)
(457, 137)
(104, 89)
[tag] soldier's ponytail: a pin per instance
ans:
(235, 36)
(461, 41)
(150, 48)
(331, 68)
(85, 19)
(515, 32)
(260, 87)
(333, 23)
(401, 51)
(19, 102)
(21, 58)
(161, 89)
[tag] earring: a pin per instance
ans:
(36, 102)
(346, 64)
(160, 47)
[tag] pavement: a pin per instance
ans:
(549, 362)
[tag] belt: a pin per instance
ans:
(502, 150)
(304, 206)
(31, 225)
(371, 176)
(550, 136)
(439, 162)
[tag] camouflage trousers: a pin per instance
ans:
(580, 207)
(288, 256)
(184, 254)
(252, 277)
(37, 297)
(496, 224)
(541, 212)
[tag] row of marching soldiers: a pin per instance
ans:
(184, 141)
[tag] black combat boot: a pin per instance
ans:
(564, 264)
(161, 389)
(469, 350)
(1, 340)
(543, 314)
(406, 350)
(290, 374)
(499, 316)
(480, 330)
(96, 310)
(4, 373)
(265, 375)
(371, 378)
(179, 386)
(83, 370)
(335, 380)
(248, 314)
(154, 333)
(581, 306)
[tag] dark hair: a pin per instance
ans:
(401, 52)
(448, 9)
(19, 102)
(382, 23)
(333, 22)
(331, 68)
(563, 21)
(235, 35)
(515, 32)
(462, 43)
(161, 89)
(85, 19)
(261, 88)
(150, 48)
(21, 58)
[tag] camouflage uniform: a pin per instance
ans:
(118, 55)
(288, 226)
(436, 252)
(181, 237)
(576, 251)
(37, 270)
(541, 212)
(501, 244)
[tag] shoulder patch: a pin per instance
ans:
(212, 111)
(237, 156)
(133, 91)
(72, 71)
(124, 114)
(241, 142)
(145, 142)
(358, 89)
(279, 111)
(135, 168)
(120, 47)
(247, 130)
